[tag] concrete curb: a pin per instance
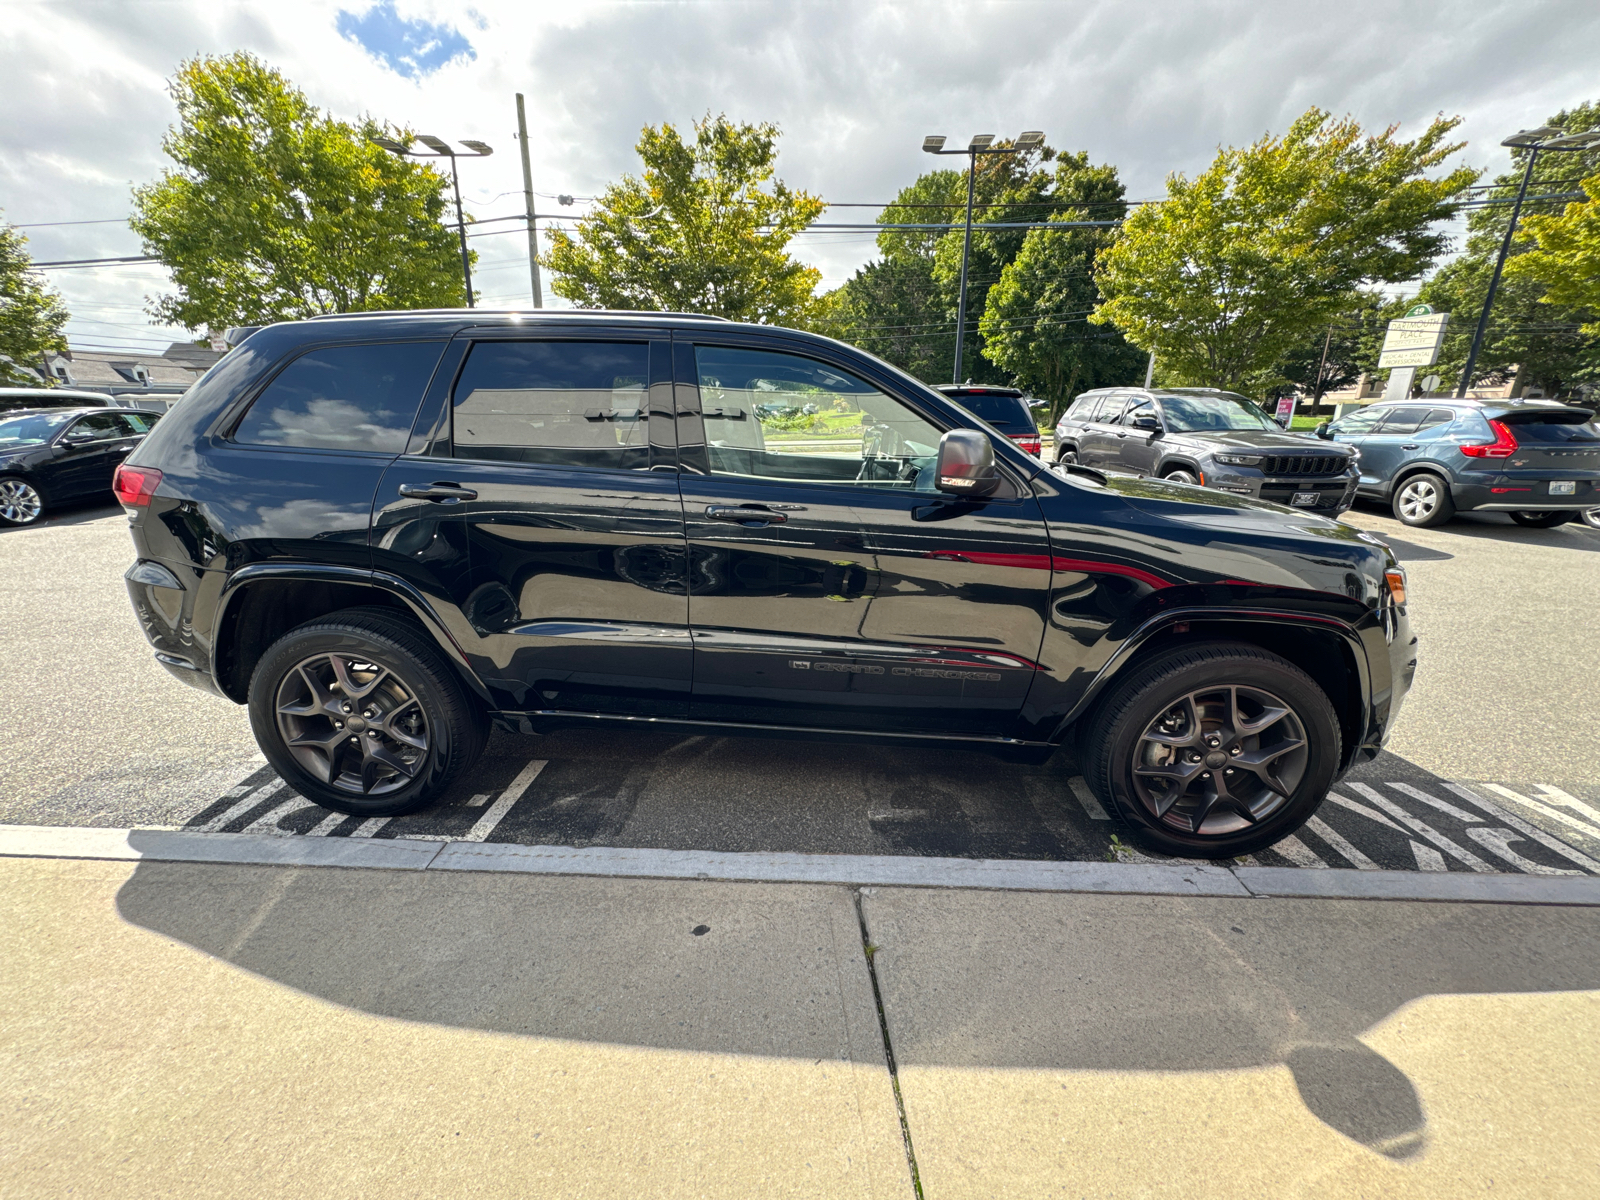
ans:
(1160, 879)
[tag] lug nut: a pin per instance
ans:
(346, 707)
(1236, 751)
(1213, 740)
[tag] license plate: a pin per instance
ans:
(1563, 488)
(1304, 500)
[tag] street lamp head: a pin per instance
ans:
(980, 141)
(933, 143)
(437, 145)
(483, 148)
(1531, 137)
(389, 144)
(1030, 139)
(1574, 141)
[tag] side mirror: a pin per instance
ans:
(1148, 423)
(966, 464)
(1325, 430)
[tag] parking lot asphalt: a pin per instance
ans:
(1492, 768)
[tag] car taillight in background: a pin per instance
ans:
(1503, 446)
(1030, 442)
(135, 485)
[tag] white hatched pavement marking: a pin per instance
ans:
(1443, 806)
(1555, 814)
(370, 827)
(479, 800)
(1371, 813)
(1532, 831)
(1428, 859)
(238, 810)
(1495, 841)
(1555, 795)
(1459, 853)
(1091, 805)
(502, 806)
(327, 825)
(268, 821)
(1298, 852)
(1338, 841)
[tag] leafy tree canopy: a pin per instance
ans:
(1263, 248)
(276, 211)
(1567, 262)
(32, 314)
(705, 229)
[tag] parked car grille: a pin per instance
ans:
(1304, 464)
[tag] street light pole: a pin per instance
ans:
(1546, 137)
(980, 144)
(443, 149)
(527, 195)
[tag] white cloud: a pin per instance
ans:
(1152, 87)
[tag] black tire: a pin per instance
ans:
(1542, 519)
(1068, 454)
(20, 502)
(1118, 742)
(1422, 501)
(1591, 517)
(420, 699)
(1181, 475)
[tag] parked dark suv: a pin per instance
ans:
(1208, 437)
(1537, 461)
(385, 532)
(1008, 409)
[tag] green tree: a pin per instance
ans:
(32, 315)
(1567, 262)
(705, 229)
(1035, 318)
(276, 211)
(1263, 248)
(1339, 353)
(1532, 331)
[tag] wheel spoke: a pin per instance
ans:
(392, 728)
(322, 695)
(379, 758)
(1270, 716)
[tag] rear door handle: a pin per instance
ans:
(744, 516)
(1409, 446)
(437, 491)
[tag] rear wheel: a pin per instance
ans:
(20, 502)
(358, 712)
(1542, 520)
(1213, 751)
(1423, 501)
(1591, 517)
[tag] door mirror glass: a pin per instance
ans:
(1325, 430)
(966, 464)
(1149, 422)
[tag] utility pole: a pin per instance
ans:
(1316, 392)
(1150, 369)
(527, 195)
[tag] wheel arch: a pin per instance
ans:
(1327, 650)
(1418, 467)
(262, 602)
(1176, 461)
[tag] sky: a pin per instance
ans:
(1152, 87)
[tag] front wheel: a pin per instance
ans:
(1542, 520)
(1181, 476)
(1067, 457)
(1213, 751)
(20, 502)
(358, 712)
(1591, 517)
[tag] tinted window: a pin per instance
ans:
(783, 417)
(566, 403)
(1009, 414)
(1142, 408)
(1403, 420)
(1360, 422)
(1085, 407)
(101, 427)
(1109, 412)
(1547, 432)
(343, 398)
(1437, 418)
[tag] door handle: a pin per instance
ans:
(745, 516)
(438, 492)
(1409, 446)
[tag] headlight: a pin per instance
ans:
(1239, 460)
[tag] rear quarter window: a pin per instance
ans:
(360, 397)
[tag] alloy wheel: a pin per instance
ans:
(1220, 759)
(1419, 498)
(20, 502)
(353, 724)
(1180, 477)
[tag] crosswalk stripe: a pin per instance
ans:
(497, 810)
(1528, 830)
(1338, 841)
(327, 825)
(1459, 853)
(243, 806)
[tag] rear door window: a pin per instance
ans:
(573, 404)
(360, 397)
(1085, 407)
(1111, 411)
(1437, 419)
(1402, 420)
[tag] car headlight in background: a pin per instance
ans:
(1239, 460)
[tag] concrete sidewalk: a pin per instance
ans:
(202, 1029)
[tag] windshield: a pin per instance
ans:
(36, 427)
(1197, 414)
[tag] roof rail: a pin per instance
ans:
(520, 312)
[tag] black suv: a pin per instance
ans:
(1009, 410)
(1209, 437)
(385, 532)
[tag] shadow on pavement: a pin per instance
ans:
(78, 512)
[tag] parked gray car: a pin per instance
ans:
(1208, 437)
(1538, 461)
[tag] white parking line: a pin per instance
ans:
(1538, 807)
(1459, 853)
(1298, 852)
(1337, 840)
(1494, 841)
(479, 800)
(327, 825)
(1443, 806)
(1532, 831)
(238, 810)
(1567, 800)
(370, 827)
(502, 806)
(1091, 804)
(1428, 859)
(269, 822)
(1369, 813)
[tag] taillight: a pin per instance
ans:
(1396, 579)
(135, 485)
(1032, 443)
(1503, 446)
